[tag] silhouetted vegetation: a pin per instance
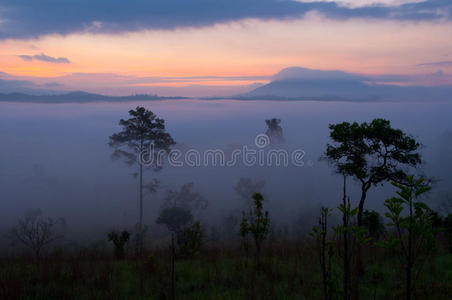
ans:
(326, 252)
(371, 153)
(373, 222)
(140, 140)
(406, 251)
(275, 131)
(414, 237)
(176, 219)
(119, 241)
(36, 232)
(256, 223)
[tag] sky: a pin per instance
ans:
(216, 47)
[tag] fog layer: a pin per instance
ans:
(56, 157)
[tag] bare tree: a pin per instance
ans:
(36, 232)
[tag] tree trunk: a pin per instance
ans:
(140, 224)
(364, 190)
(410, 254)
(173, 271)
(258, 255)
(323, 262)
(408, 274)
(359, 267)
(346, 254)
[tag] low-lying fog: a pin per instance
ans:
(56, 157)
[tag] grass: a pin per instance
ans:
(288, 270)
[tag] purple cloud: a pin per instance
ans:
(436, 64)
(45, 58)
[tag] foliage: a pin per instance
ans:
(244, 233)
(141, 132)
(448, 231)
(142, 129)
(185, 198)
(119, 241)
(257, 223)
(326, 252)
(152, 186)
(437, 221)
(175, 218)
(192, 240)
(351, 234)
(359, 233)
(372, 153)
(374, 224)
(414, 230)
(189, 234)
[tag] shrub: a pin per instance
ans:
(119, 241)
(374, 224)
(191, 241)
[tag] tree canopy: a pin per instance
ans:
(138, 132)
(372, 153)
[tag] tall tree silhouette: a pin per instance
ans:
(372, 153)
(133, 143)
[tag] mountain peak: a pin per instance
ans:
(300, 73)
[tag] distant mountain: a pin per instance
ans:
(306, 84)
(77, 97)
(299, 73)
(293, 83)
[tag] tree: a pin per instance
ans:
(415, 231)
(274, 131)
(374, 224)
(244, 233)
(347, 213)
(179, 221)
(448, 231)
(372, 154)
(36, 232)
(351, 235)
(191, 240)
(257, 223)
(326, 250)
(141, 132)
(176, 219)
(119, 241)
(185, 198)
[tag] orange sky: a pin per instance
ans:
(243, 48)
